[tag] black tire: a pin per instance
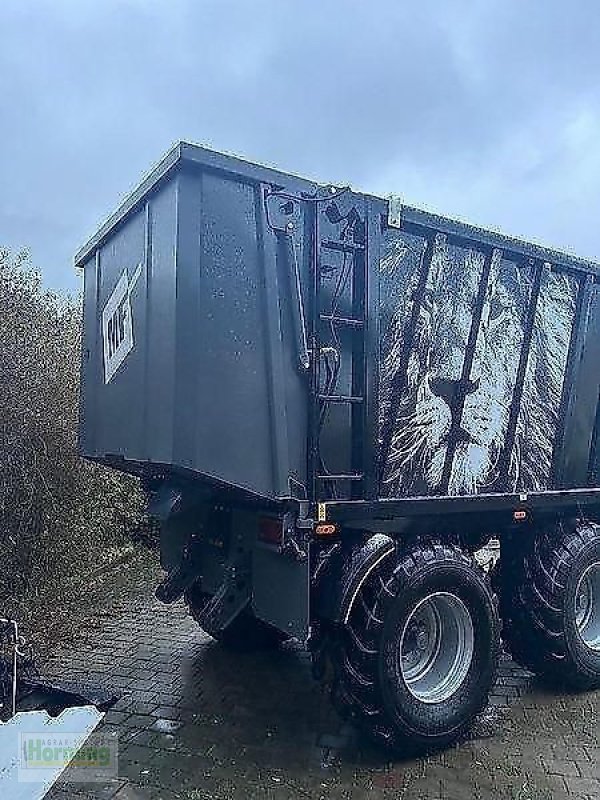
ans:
(244, 634)
(540, 588)
(370, 683)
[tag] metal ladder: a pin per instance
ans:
(343, 238)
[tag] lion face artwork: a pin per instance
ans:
(434, 445)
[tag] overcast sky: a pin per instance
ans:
(489, 110)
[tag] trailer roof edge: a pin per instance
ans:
(132, 200)
(193, 154)
(253, 172)
(497, 238)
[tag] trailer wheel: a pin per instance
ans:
(419, 654)
(244, 634)
(552, 606)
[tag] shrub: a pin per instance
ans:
(60, 517)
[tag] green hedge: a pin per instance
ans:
(61, 519)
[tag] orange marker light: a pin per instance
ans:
(326, 529)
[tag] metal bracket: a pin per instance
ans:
(10, 639)
(290, 545)
(21, 662)
(234, 592)
(284, 216)
(394, 219)
(283, 211)
(298, 304)
(178, 579)
(305, 522)
(231, 598)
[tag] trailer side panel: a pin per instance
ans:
(476, 345)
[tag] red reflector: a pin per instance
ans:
(326, 529)
(270, 530)
(519, 516)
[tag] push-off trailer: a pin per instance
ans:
(334, 401)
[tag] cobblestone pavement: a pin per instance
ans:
(196, 722)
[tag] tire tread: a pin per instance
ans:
(533, 602)
(360, 699)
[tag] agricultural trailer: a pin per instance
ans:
(334, 401)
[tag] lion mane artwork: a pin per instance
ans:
(472, 366)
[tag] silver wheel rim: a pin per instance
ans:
(436, 647)
(587, 607)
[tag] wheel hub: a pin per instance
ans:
(436, 647)
(587, 607)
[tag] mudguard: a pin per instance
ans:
(340, 584)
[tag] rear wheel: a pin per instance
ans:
(246, 632)
(551, 605)
(419, 655)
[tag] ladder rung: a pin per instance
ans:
(349, 321)
(342, 477)
(344, 247)
(340, 398)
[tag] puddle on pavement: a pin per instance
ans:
(166, 725)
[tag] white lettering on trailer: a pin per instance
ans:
(117, 326)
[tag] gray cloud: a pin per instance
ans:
(485, 110)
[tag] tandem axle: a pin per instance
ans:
(407, 623)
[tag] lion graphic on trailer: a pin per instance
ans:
(421, 415)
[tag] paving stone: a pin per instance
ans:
(142, 707)
(195, 722)
(167, 712)
(583, 787)
(589, 769)
(562, 767)
(139, 721)
(114, 717)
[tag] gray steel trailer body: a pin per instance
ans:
(292, 368)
